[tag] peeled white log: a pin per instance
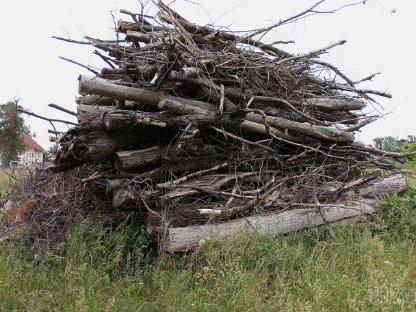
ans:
(190, 237)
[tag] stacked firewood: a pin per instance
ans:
(193, 125)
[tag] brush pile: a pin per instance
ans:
(193, 125)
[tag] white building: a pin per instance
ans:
(33, 153)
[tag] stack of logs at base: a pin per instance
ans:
(195, 127)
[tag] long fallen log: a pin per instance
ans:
(188, 238)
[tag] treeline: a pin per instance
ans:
(394, 144)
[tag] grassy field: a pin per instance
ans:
(4, 181)
(367, 268)
(7, 176)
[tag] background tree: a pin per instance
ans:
(394, 144)
(388, 143)
(12, 126)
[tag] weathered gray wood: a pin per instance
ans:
(128, 160)
(90, 116)
(190, 237)
(182, 108)
(255, 127)
(331, 104)
(393, 184)
(113, 185)
(95, 100)
(102, 87)
(318, 132)
(80, 146)
(122, 119)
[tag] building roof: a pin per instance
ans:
(30, 143)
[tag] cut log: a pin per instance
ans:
(325, 104)
(255, 127)
(123, 27)
(318, 132)
(102, 87)
(190, 237)
(182, 108)
(393, 184)
(89, 116)
(128, 160)
(331, 104)
(113, 185)
(95, 100)
(122, 119)
(193, 157)
(79, 147)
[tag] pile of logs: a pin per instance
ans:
(204, 131)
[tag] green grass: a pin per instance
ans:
(367, 268)
(8, 176)
(362, 269)
(4, 181)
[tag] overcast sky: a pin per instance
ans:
(379, 39)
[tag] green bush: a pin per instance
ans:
(397, 215)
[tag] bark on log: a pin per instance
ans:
(89, 116)
(95, 100)
(318, 132)
(103, 87)
(325, 104)
(113, 185)
(125, 198)
(123, 27)
(254, 127)
(194, 157)
(182, 108)
(79, 147)
(190, 237)
(331, 104)
(123, 119)
(392, 184)
(128, 160)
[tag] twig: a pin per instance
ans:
(310, 54)
(51, 120)
(228, 134)
(190, 176)
(71, 41)
(62, 109)
(82, 65)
